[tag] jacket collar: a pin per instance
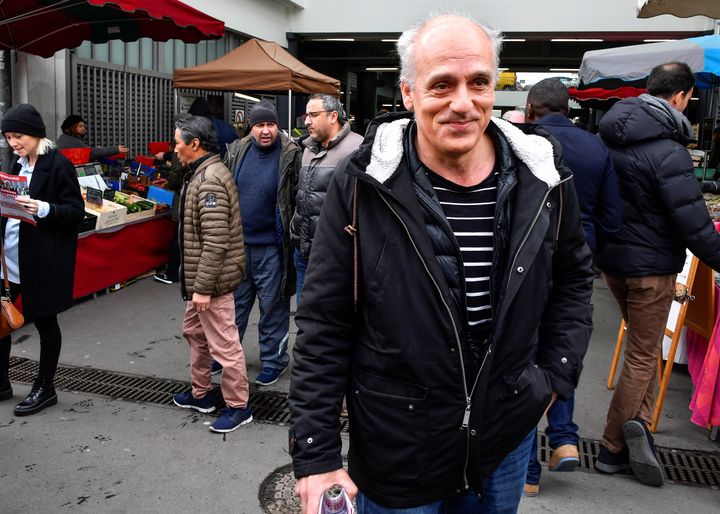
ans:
(204, 162)
(383, 149)
(316, 147)
(555, 119)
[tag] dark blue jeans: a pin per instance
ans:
(560, 430)
(502, 491)
(300, 269)
(263, 278)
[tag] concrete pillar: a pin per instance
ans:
(6, 155)
(366, 101)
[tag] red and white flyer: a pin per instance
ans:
(12, 186)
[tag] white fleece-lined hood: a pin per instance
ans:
(535, 151)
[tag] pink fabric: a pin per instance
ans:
(704, 368)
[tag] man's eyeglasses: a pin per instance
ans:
(315, 114)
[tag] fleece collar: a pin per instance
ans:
(535, 151)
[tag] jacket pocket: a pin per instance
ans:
(378, 311)
(527, 395)
(390, 426)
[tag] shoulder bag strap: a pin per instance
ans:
(4, 266)
(352, 231)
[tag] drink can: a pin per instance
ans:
(335, 501)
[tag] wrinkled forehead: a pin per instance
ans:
(454, 41)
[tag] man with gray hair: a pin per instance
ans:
(213, 264)
(330, 141)
(448, 254)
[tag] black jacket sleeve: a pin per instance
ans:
(325, 338)
(680, 192)
(566, 324)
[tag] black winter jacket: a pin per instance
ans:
(318, 165)
(422, 428)
(664, 211)
(47, 251)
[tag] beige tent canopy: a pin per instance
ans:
(256, 66)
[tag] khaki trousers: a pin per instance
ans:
(645, 304)
(212, 334)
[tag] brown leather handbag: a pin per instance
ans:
(10, 319)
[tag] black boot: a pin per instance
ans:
(41, 395)
(5, 388)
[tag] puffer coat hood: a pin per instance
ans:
(633, 120)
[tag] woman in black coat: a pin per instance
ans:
(40, 258)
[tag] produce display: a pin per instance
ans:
(713, 205)
(132, 207)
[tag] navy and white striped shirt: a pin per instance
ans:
(471, 212)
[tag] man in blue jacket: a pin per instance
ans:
(600, 205)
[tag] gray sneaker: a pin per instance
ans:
(641, 446)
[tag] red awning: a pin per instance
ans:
(596, 93)
(42, 27)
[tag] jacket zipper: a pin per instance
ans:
(534, 221)
(468, 399)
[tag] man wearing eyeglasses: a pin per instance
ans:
(265, 165)
(330, 141)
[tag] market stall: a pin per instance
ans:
(257, 66)
(114, 255)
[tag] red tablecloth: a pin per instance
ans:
(111, 256)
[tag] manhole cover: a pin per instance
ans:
(277, 492)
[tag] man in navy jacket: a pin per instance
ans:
(596, 184)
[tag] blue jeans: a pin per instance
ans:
(502, 491)
(263, 278)
(300, 269)
(560, 430)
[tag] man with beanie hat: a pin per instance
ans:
(265, 164)
(224, 132)
(74, 128)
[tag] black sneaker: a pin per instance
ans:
(162, 277)
(641, 446)
(608, 462)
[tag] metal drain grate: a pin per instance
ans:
(268, 407)
(684, 467)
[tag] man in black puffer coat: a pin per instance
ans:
(428, 321)
(664, 213)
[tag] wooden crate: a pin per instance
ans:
(135, 216)
(110, 214)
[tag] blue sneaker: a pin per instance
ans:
(215, 368)
(186, 400)
(269, 376)
(231, 419)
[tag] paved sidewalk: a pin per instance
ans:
(95, 454)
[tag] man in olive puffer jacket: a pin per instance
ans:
(213, 264)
